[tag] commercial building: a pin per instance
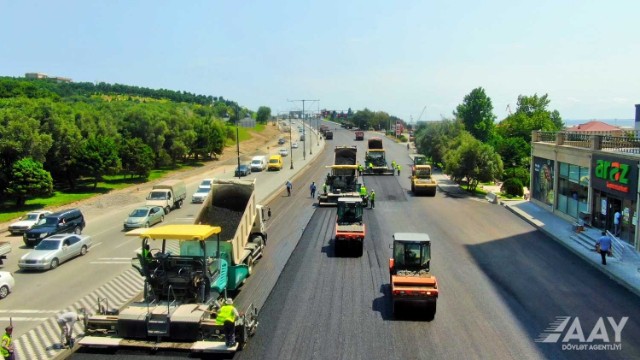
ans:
(589, 175)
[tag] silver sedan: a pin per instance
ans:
(144, 216)
(54, 250)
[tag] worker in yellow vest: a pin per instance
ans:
(6, 347)
(227, 317)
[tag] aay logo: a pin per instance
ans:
(573, 338)
(612, 171)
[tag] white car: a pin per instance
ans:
(294, 145)
(200, 195)
(283, 152)
(7, 282)
(206, 183)
(27, 221)
(55, 250)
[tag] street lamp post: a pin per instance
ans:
(290, 142)
(304, 137)
(238, 138)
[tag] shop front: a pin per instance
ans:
(614, 181)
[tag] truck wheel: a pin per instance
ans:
(167, 209)
(250, 265)
(360, 249)
(431, 311)
(337, 248)
(179, 204)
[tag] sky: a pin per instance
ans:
(401, 57)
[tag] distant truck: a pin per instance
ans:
(5, 248)
(411, 282)
(359, 135)
(343, 179)
(422, 181)
(170, 194)
(350, 228)
(328, 135)
(375, 156)
(183, 291)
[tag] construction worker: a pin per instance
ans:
(360, 169)
(146, 253)
(393, 164)
(370, 166)
(324, 187)
(65, 322)
(372, 199)
(398, 168)
(6, 346)
(227, 317)
(363, 190)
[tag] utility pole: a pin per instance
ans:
(304, 137)
(290, 142)
(238, 137)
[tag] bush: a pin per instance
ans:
(513, 187)
(402, 138)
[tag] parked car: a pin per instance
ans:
(27, 222)
(200, 195)
(7, 282)
(283, 152)
(281, 141)
(242, 170)
(294, 145)
(144, 216)
(61, 222)
(55, 250)
(206, 183)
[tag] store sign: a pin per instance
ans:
(615, 175)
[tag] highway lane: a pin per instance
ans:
(38, 296)
(502, 283)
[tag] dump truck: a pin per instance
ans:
(418, 159)
(350, 228)
(422, 181)
(409, 274)
(170, 194)
(328, 135)
(359, 135)
(5, 248)
(342, 180)
(183, 291)
(324, 129)
(375, 161)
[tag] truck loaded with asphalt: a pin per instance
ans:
(182, 292)
(375, 160)
(342, 180)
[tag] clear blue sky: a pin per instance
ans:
(393, 56)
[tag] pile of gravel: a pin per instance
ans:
(227, 219)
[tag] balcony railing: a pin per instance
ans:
(628, 142)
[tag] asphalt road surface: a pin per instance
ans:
(502, 282)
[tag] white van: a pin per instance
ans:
(258, 163)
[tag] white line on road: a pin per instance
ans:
(110, 262)
(13, 318)
(30, 311)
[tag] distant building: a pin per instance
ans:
(45, 76)
(35, 76)
(594, 127)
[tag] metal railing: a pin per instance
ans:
(627, 142)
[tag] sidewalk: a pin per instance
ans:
(624, 267)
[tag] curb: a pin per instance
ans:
(587, 259)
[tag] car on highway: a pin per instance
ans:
(7, 282)
(61, 222)
(283, 152)
(294, 145)
(144, 216)
(200, 195)
(55, 250)
(281, 141)
(242, 170)
(206, 183)
(27, 222)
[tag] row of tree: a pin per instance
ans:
(54, 134)
(472, 147)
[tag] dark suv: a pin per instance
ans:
(61, 222)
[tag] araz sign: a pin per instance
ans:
(615, 175)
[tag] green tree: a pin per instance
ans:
(264, 113)
(136, 157)
(472, 161)
(434, 139)
(97, 157)
(476, 111)
(29, 179)
(531, 114)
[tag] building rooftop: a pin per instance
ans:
(593, 126)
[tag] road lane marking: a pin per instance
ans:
(19, 318)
